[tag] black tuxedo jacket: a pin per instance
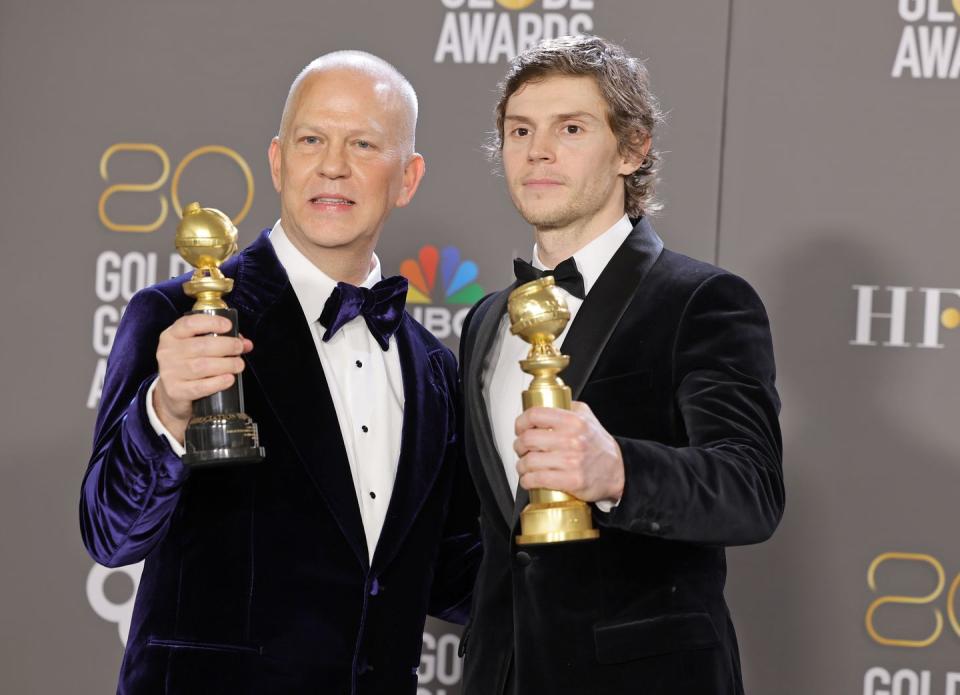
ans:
(675, 359)
(257, 578)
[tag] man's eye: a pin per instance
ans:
(364, 145)
(573, 129)
(310, 139)
(521, 132)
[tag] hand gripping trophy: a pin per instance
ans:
(219, 432)
(538, 314)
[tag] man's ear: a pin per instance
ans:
(412, 175)
(275, 155)
(640, 144)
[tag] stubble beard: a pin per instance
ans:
(581, 204)
(546, 217)
(546, 220)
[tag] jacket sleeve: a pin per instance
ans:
(133, 479)
(460, 549)
(726, 486)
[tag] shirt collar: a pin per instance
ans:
(593, 258)
(311, 285)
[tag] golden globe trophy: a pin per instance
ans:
(219, 432)
(538, 314)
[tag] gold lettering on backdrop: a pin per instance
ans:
(174, 184)
(214, 149)
(133, 187)
(951, 603)
(908, 600)
(523, 4)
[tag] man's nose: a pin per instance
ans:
(333, 162)
(542, 147)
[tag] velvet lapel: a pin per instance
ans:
(601, 311)
(285, 363)
(476, 406)
(421, 446)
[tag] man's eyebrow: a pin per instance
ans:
(374, 128)
(581, 115)
(574, 115)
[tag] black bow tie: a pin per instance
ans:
(381, 307)
(565, 275)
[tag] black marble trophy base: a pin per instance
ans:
(220, 433)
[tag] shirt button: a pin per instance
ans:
(359, 363)
(364, 428)
(373, 495)
(523, 559)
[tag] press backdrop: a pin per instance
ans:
(811, 147)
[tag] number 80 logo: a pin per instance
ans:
(174, 184)
(913, 600)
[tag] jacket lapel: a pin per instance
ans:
(425, 432)
(602, 310)
(285, 364)
(608, 300)
(476, 405)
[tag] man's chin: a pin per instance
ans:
(330, 237)
(545, 219)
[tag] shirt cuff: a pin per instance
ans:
(158, 427)
(606, 505)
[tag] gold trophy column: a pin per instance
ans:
(219, 432)
(538, 314)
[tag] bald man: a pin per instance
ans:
(313, 570)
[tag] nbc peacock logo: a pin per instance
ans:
(440, 281)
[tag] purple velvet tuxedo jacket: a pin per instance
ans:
(674, 357)
(257, 578)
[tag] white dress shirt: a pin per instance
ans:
(504, 380)
(365, 383)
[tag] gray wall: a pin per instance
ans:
(810, 147)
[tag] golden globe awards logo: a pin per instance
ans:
(118, 276)
(493, 31)
(929, 48)
(911, 585)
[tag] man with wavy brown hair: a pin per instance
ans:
(673, 437)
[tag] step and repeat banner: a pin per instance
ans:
(810, 147)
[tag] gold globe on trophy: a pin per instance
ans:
(538, 314)
(219, 432)
(206, 238)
